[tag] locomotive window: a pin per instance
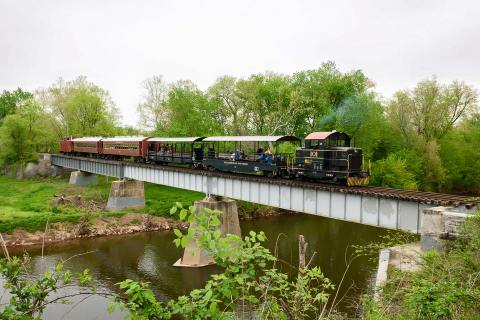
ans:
(315, 144)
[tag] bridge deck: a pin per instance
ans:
(385, 207)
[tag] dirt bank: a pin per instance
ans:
(93, 227)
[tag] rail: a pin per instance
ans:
(430, 198)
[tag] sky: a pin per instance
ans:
(117, 44)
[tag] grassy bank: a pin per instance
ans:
(446, 287)
(27, 204)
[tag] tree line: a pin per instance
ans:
(426, 137)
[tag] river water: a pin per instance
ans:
(149, 257)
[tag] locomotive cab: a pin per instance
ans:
(328, 156)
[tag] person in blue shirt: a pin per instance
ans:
(238, 155)
(269, 156)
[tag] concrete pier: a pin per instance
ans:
(439, 223)
(126, 194)
(193, 256)
(82, 178)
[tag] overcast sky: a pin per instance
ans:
(117, 44)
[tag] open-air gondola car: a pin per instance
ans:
(248, 154)
(184, 150)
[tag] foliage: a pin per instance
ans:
(16, 145)
(152, 111)
(79, 108)
(446, 287)
(190, 111)
(10, 101)
(362, 118)
(29, 295)
(430, 110)
(460, 155)
(317, 92)
(393, 172)
(251, 282)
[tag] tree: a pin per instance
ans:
(393, 172)
(10, 101)
(16, 144)
(317, 92)
(430, 110)
(424, 115)
(265, 99)
(191, 112)
(153, 114)
(460, 155)
(80, 108)
(229, 111)
(362, 117)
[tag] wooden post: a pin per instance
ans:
(302, 250)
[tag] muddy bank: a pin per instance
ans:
(93, 224)
(93, 227)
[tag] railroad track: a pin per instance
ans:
(433, 198)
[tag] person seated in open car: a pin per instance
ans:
(238, 155)
(269, 156)
(260, 154)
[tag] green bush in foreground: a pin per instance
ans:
(251, 284)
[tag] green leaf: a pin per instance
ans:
(184, 242)
(213, 307)
(183, 214)
(178, 233)
(208, 295)
(179, 205)
(173, 210)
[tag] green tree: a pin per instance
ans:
(460, 155)
(16, 144)
(393, 172)
(315, 93)
(265, 100)
(80, 108)
(11, 100)
(431, 109)
(152, 111)
(229, 111)
(362, 117)
(191, 112)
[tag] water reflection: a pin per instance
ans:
(149, 257)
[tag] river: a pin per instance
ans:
(149, 257)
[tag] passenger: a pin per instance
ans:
(238, 155)
(261, 157)
(269, 156)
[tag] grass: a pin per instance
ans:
(27, 204)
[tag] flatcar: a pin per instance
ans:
(323, 156)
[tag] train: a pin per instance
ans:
(320, 156)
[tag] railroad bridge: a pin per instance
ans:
(382, 207)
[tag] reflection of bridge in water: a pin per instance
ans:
(383, 207)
